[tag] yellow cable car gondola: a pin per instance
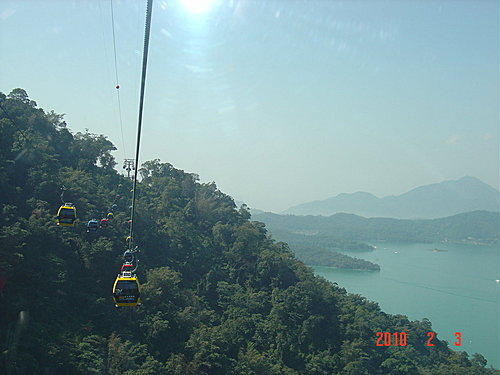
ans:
(66, 215)
(126, 290)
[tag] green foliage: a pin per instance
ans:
(477, 226)
(219, 295)
(251, 362)
(322, 250)
(90, 355)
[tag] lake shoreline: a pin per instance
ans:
(451, 290)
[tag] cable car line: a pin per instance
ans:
(126, 289)
(66, 214)
(63, 189)
(95, 225)
(114, 42)
(117, 81)
(14, 122)
(27, 140)
(141, 107)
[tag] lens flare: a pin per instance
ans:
(198, 6)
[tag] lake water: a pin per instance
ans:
(455, 289)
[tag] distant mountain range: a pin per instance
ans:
(476, 226)
(425, 202)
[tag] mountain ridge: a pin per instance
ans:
(431, 201)
(473, 226)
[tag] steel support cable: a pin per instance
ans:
(63, 189)
(116, 78)
(114, 38)
(121, 123)
(139, 125)
(14, 123)
(26, 139)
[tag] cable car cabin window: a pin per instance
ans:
(66, 216)
(67, 213)
(126, 292)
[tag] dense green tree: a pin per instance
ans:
(91, 355)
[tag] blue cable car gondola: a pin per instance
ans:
(92, 226)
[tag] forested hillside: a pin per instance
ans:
(317, 250)
(475, 226)
(219, 295)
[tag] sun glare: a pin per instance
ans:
(198, 6)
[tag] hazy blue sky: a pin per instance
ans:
(278, 102)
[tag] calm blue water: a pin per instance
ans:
(456, 290)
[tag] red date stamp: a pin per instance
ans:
(388, 339)
(400, 339)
